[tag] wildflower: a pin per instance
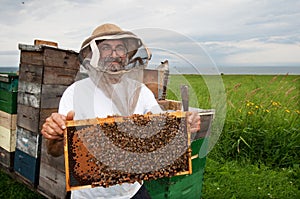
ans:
(250, 113)
(257, 107)
(267, 110)
(250, 103)
(275, 103)
(240, 110)
(298, 111)
(287, 110)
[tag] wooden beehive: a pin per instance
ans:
(45, 71)
(163, 153)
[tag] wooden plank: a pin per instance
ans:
(61, 58)
(44, 42)
(28, 142)
(52, 182)
(28, 118)
(60, 76)
(51, 95)
(7, 139)
(31, 73)
(151, 81)
(6, 158)
(27, 167)
(7, 120)
(170, 105)
(55, 162)
(31, 56)
(29, 94)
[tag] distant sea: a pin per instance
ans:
(4, 69)
(256, 70)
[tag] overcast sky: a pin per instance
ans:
(232, 32)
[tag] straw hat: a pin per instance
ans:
(112, 30)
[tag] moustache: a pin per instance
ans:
(113, 59)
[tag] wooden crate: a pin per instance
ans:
(40, 95)
(31, 73)
(52, 182)
(156, 81)
(48, 56)
(52, 174)
(6, 158)
(7, 139)
(27, 167)
(28, 118)
(28, 142)
(8, 121)
(9, 82)
(8, 101)
(29, 94)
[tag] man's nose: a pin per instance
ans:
(114, 53)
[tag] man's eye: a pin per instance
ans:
(120, 48)
(106, 48)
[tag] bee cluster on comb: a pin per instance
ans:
(116, 150)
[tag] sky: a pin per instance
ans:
(231, 33)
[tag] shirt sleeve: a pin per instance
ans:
(66, 101)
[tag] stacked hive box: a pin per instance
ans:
(45, 72)
(8, 110)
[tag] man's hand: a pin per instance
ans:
(194, 121)
(53, 128)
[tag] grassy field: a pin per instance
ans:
(257, 154)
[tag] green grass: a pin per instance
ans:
(12, 189)
(234, 179)
(257, 154)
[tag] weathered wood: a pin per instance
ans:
(29, 94)
(156, 81)
(31, 73)
(28, 118)
(52, 181)
(61, 58)
(60, 76)
(8, 121)
(56, 162)
(28, 142)
(6, 158)
(32, 57)
(48, 56)
(170, 105)
(7, 139)
(151, 81)
(44, 42)
(51, 95)
(27, 167)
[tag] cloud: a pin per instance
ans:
(232, 32)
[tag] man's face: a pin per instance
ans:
(113, 55)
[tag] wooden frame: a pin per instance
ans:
(77, 179)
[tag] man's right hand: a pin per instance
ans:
(53, 128)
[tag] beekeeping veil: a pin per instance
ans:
(122, 84)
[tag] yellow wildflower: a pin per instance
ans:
(287, 110)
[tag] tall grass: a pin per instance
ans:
(263, 120)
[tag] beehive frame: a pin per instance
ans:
(96, 173)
